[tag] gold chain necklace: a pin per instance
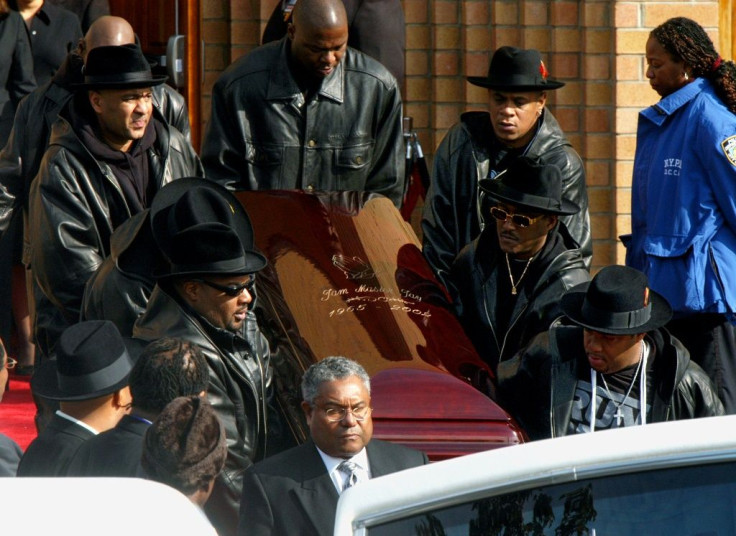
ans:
(511, 278)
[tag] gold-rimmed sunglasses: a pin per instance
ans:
(520, 220)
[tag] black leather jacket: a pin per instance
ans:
(537, 385)
(473, 285)
(262, 135)
(75, 204)
(21, 157)
(239, 385)
(452, 210)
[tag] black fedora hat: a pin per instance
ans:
(530, 183)
(618, 301)
(92, 360)
(201, 228)
(118, 67)
(516, 69)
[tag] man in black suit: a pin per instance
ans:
(296, 491)
(167, 368)
(89, 378)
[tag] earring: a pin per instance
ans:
(687, 77)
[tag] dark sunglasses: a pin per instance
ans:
(231, 291)
(520, 220)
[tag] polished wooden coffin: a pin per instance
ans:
(346, 276)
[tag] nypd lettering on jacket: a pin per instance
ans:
(672, 166)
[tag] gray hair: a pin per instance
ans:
(331, 369)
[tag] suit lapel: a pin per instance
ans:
(377, 462)
(317, 494)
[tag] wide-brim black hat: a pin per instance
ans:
(618, 301)
(516, 69)
(201, 228)
(530, 183)
(92, 360)
(118, 67)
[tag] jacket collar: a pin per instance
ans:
(548, 136)
(282, 86)
(657, 113)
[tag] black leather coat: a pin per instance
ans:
(473, 284)
(537, 385)
(21, 156)
(452, 210)
(239, 386)
(75, 204)
(263, 135)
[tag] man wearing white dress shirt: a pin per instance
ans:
(296, 491)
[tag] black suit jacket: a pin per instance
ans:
(291, 493)
(50, 453)
(116, 452)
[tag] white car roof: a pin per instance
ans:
(94, 506)
(542, 462)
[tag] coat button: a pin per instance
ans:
(358, 159)
(312, 143)
(310, 187)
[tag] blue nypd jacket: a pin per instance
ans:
(683, 213)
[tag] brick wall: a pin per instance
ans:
(595, 46)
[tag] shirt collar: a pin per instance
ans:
(331, 463)
(76, 421)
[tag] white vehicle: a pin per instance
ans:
(98, 506)
(669, 479)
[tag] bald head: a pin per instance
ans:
(107, 31)
(318, 36)
(320, 14)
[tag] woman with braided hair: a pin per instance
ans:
(683, 214)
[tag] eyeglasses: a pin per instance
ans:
(10, 363)
(521, 220)
(231, 291)
(336, 414)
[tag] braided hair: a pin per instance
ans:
(686, 41)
